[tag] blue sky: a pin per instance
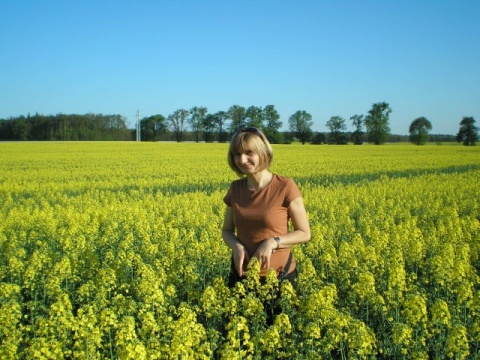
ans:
(325, 57)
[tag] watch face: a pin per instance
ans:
(277, 239)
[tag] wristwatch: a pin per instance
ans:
(277, 239)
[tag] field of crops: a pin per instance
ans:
(113, 250)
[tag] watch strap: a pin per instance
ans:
(277, 239)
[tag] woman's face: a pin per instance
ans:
(247, 161)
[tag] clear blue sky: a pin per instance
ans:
(325, 57)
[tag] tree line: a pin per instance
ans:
(88, 127)
(197, 124)
(372, 127)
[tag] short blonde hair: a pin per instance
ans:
(250, 139)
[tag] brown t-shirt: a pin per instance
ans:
(261, 214)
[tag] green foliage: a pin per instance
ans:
(88, 127)
(301, 125)
(197, 120)
(468, 133)
(254, 116)
(376, 123)
(318, 138)
(357, 135)
(419, 129)
(237, 115)
(178, 122)
(272, 124)
(151, 126)
(337, 126)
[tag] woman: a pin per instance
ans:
(259, 206)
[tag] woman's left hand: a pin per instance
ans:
(264, 252)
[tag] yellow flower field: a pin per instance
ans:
(113, 250)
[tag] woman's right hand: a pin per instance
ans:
(240, 257)
(240, 254)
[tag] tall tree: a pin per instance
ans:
(146, 129)
(20, 129)
(272, 123)
(468, 133)
(301, 125)
(337, 126)
(357, 135)
(152, 126)
(209, 125)
(161, 126)
(376, 123)
(177, 122)
(419, 129)
(254, 116)
(237, 114)
(196, 120)
(219, 118)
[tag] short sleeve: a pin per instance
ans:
(228, 197)
(291, 192)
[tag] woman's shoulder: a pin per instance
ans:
(283, 179)
(238, 182)
(287, 183)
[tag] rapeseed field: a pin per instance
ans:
(113, 250)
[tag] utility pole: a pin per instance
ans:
(139, 138)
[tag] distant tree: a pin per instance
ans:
(158, 124)
(301, 125)
(272, 124)
(337, 126)
(238, 116)
(209, 126)
(88, 127)
(441, 138)
(419, 129)
(254, 116)
(146, 129)
(220, 117)
(357, 135)
(152, 126)
(160, 127)
(468, 133)
(20, 129)
(196, 120)
(318, 138)
(39, 128)
(376, 123)
(177, 122)
(6, 132)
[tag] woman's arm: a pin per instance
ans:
(300, 233)
(240, 255)
(301, 227)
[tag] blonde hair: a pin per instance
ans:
(250, 139)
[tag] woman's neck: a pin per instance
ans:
(259, 180)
